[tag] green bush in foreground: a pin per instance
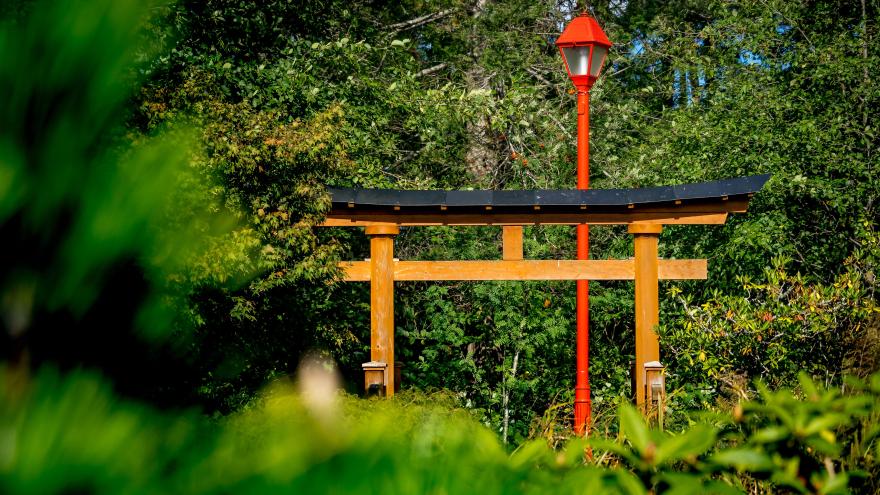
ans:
(70, 433)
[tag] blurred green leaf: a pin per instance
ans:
(692, 442)
(632, 425)
(743, 459)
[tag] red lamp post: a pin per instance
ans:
(583, 46)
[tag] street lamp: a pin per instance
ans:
(584, 47)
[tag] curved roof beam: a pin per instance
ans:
(701, 203)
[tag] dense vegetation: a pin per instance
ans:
(73, 434)
(162, 167)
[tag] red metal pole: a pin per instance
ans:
(582, 382)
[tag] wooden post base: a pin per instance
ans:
(375, 379)
(655, 392)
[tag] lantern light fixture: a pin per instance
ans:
(584, 47)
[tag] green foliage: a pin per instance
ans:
(774, 87)
(85, 205)
(71, 432)
(492, 347)
(824, 441)
(61, 158)
(778, 328)
(328, 107)
(662, 462)
(794, 442)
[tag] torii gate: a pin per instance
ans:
(645, 211)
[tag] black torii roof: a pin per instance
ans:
(559, 200)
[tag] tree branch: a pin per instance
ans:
(431, 70)
(537, 75)
(418, 21)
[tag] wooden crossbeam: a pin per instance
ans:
(406, 271)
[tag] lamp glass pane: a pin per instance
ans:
(578, 59)
(599, 53)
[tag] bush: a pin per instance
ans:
(63, 433)
(775, 329)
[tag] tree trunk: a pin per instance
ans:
(506, 396)
(481, 155)
(865, 78)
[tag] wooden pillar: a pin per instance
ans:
(512, 242)
(645, 237)
(382, 299)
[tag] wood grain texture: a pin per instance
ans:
(381, 270)
(644, 228)
(359, 271)
(512, 242)
(382, 229)
(647, 309)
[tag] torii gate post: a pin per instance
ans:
(647, 298)
(382, 299)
